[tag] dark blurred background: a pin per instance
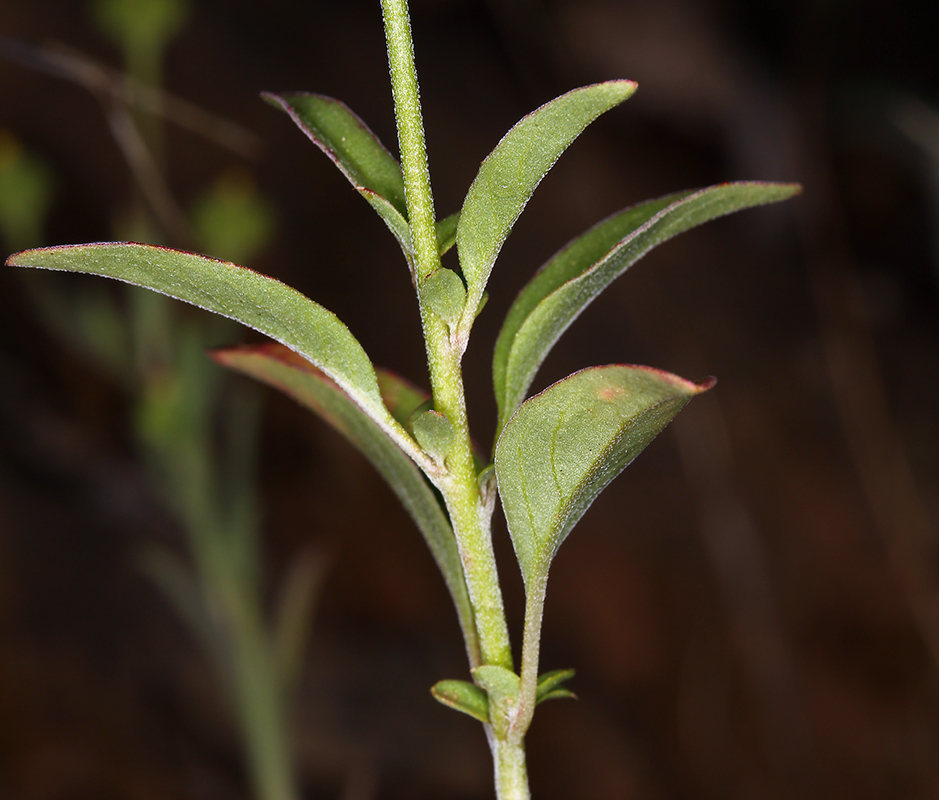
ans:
(752, 608)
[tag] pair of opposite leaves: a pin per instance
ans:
(557, 450)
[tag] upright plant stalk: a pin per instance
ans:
(555, 451)
(470, 513)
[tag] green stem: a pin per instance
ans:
(470, 509)
(511, 771)
(468, 513)
(420, 201)
(259, 698)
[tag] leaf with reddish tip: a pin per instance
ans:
(279, 367)
(511, 173)
(565, 445)
(570, 281)
(252, 299)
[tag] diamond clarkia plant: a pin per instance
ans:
(553, 453)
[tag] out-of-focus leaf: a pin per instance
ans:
(253, 299)
(512, 171)
(294, 617)
(142, 25)
(25, 193)
(279, 367)
(463, 696)
(232, 219)
(185, 595)
(570, 281)
(565, 445)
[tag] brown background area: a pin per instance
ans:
(750, 608)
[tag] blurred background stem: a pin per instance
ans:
(196, 427)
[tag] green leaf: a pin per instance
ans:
(463, 696)
(565, 445)
(550, 682)
(444, 293)
(511, 172)
(348, 142)
(253, 299)
(446, 232)
(570, 281)
(358, 153)
(503, 687)
(557, 694)
(279, 367)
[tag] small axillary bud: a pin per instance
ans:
(444, 294)
(433, 432)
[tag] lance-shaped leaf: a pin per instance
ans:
(565, 445)
(252, 299)
(362, 158)
(511, 172)
(279, 367)
(570, 281)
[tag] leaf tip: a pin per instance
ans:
(24, 258)
(706, 385)
(462, 696)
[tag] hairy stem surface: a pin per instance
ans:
(470, 514)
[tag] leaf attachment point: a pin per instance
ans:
(503, 687)
(277, 366)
